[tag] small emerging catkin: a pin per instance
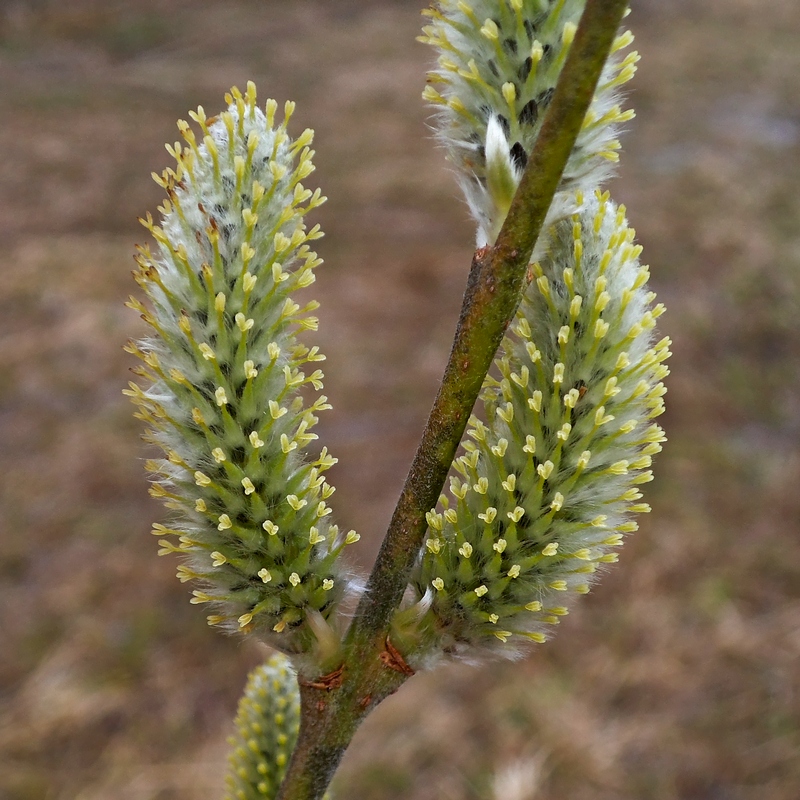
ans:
(267, 724)
(545, 488)
(499, 62)
(231, 400)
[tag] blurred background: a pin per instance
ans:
(678, 679)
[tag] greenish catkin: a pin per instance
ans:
(267, 725)
(549, 476)
(544, 491)
(498, 64)
(232, 390)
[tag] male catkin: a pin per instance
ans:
(232, 397)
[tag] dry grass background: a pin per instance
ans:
(678, 679)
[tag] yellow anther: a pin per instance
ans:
(295, 502)
(249, 280)
(322, 510)
(546, 469)
(286, 445)
(510, 483)
(224, 522)
(314, 536)
(533, 352)
(500, 448)
(201, 479)
(434, 520)
(489, 515)
(219, 455)
(490, 30)
(243, 323)
(482, 486)
(544, 285)
(250, 371)
(276, 411)
(571, 398)
(250, 219)
(601, 418)
(516, 515)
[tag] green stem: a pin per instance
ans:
(496, 280)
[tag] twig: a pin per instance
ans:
(493, 292)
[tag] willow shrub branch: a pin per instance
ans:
(330, 714)
(528, 113)
(493, 291)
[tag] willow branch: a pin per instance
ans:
(493, 292)
(492, 295)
